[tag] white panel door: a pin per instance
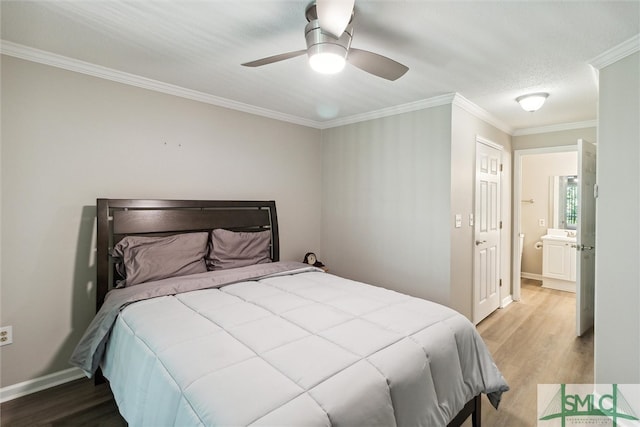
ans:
(586, 242)
(486, 287)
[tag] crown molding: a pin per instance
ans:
(616, 53)
(75, 65)
(556, 128)
(59, 61)
(435, 101)
(481, 113)
(70, 64)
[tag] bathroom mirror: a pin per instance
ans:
(563, 202)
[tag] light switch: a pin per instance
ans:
(458, 220)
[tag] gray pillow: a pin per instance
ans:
(144, 259)
(232, 249)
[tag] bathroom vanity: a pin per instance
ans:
(559, 260)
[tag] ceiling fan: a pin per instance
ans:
(328, 35)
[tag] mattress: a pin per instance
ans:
(297, 347)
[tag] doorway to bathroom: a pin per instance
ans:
(541, 207)
(554, 222)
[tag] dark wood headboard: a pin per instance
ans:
(118, 218)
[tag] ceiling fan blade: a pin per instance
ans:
(375, 64)
(334, 15)
(274, 58)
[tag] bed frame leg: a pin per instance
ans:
(476, 416)
(98, 378)
(472, 407)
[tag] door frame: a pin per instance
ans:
(517, 207)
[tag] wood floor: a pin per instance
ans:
(532, 341)
(77, 403)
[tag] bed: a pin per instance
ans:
(199, 323)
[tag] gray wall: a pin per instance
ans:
(68, 138)
(391, 187)
(386, 202)
(617, 309)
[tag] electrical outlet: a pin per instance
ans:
(6, 335)
(542, 222)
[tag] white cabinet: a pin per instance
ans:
(558, 263)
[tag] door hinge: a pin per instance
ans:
(500, 225)
(500, 167)
(595, 191)
(500, 282)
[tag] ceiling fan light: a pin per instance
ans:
(533, 101)
(327, 62)
(327, 55)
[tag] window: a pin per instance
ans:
(571, 202)
(563, 202)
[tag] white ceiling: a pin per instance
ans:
(489, 52)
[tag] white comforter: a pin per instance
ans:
(300, 350)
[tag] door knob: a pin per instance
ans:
(583, 247)
(479, 242)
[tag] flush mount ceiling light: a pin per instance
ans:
(533, 101)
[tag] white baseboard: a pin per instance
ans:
(559, 285)
(506, 301)
(41, 383)
(532, 276)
